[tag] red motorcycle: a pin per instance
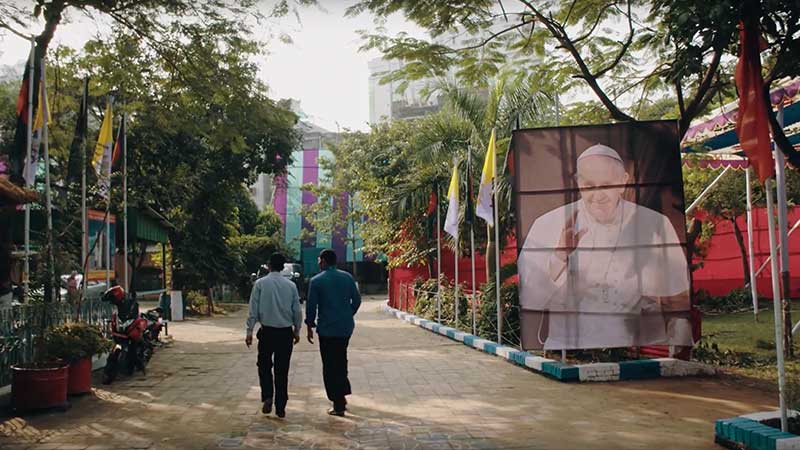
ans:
(128, 330)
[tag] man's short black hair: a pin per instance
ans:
(276, 262)
(329, 256)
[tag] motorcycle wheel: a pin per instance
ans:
(112, 367)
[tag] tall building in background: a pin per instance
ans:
(288, 198)
(386, 103)
(419, 98)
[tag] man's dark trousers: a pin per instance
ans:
(334, 369)
(274, 343)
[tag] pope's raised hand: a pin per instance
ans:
(569, 238)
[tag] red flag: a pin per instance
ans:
(116, 157)
(752, 122)
(431, 203)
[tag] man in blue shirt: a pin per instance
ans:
(275, 305)
(333, 300)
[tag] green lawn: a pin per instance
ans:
(739, 332)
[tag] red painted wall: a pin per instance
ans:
(722, 267)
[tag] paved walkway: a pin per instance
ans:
(412, 390)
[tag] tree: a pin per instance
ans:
(269, 223)
(396, 167)
(616, 49)
(193, 143)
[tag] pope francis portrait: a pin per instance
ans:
(608, 272)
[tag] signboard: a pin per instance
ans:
(97, 245)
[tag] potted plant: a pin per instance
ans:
(75, 343)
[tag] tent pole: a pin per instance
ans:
(706, 190)
(776, 297)
(751, 256)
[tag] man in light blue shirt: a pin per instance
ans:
(333, 300)
(275, 304)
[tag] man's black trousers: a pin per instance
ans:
(274, 351)
(334, 369)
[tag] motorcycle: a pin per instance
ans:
(152, 332)
(128, 330)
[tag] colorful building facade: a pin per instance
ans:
(289, 199)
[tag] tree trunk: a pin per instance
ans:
(742, 250)
(692, 234)
(210, 309)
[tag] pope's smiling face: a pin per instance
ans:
(601, 180)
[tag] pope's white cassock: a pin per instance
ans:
(609, 291)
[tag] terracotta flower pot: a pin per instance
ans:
(39, 386)
(80, 377)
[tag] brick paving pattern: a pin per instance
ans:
(413, 390)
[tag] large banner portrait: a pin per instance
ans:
(602, 236)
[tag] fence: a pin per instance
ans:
(20, 325)
(486, 327)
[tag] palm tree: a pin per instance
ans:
(508, 103)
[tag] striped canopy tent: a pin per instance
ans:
(711, 142)
(715, 136)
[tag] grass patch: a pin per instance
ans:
(745, 347)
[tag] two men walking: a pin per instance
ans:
(333, 300)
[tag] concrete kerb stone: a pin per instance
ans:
(626, 370)
(750, 433)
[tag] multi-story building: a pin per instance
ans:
(286, 195)
(419, 98)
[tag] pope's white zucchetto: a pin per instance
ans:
(600, 150)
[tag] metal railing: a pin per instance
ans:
(20, 325)
(409, 293)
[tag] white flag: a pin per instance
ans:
(451, 221)
(484, 208)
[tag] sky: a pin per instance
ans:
(322, 68)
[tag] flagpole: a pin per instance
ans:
(456, 279)
(497, 265)
(84, 219)
(125, 196)
(470, 221)
(108, 221)
(776, 300)
(751, 256)
(31, 66)
(438, 257)
(48, 198)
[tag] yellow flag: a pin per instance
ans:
(451, 221)
(484, 208)
(102, 153)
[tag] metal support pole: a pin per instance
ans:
(750, 254)
(780, 178)
(776, 296)
(125, 199)
(471, 222)
(51, 272)
(26, 266)
(438, 258)
(706, 190)
(497, 251)
(84, 219)
(456, 288)
(108, 220)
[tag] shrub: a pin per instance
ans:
(196, 303)
(736, 300)
(73, 341)
(425, 303)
